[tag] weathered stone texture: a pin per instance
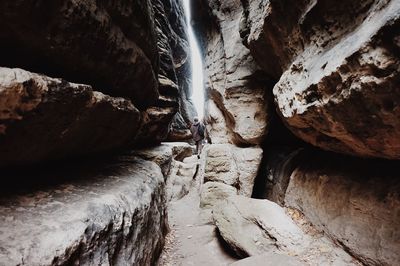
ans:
(232, 84)
(338, 65)
(253, 227)
(356, 202)
(106, 213)
(233, 166)
(42, 118)
(110, 45)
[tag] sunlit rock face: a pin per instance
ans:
(236, 105)
(338, 65)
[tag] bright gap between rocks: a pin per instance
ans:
(197, 66)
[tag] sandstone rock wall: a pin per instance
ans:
(356, 202)
(134, 52)
(109, 212)
(107, 44)
(236, 106)
(337, 65)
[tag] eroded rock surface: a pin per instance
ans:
(111, 212)
(338, 67)
(108, 44)
(42, 118)
(233, 166)
(356, 202)
(254, 227)
(236, 106)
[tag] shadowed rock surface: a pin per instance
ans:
(42, 118)
(111, 212)
(108, 44)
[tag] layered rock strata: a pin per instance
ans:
(174, 79)
(42, 118)
(136, 50)
(236, 108)
(357, 203)
(108, 44)
(255, 227)
(338, 70)
(111, 212)
(233, 166)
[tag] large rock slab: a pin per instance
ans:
(110, 45)
(233, 166)
(356, 202)
(254, 227)
(43, 118)
(269, 259)
(233, 87)
(212, 193)
(111, 212)
(338, 67)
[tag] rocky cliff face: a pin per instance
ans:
(107, 212)
(332, 71)
(85, 79)
(337, 65)
(133, 57)
(236, 106)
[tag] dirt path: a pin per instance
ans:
(193, 239)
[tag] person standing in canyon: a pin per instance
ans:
(198, 129)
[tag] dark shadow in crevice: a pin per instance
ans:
(19, 180)
(225, 246)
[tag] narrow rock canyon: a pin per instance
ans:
(302, 143)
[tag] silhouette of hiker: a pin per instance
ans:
(198, 129)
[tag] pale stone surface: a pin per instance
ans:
(233, 166)
(111, 212)
(214, 192)
(181, 177)
(43, 118)
(338, 67)
(269, 259)
(254, 227)
(180, 150)
(162, 155)
(232, 83)
(355, 202)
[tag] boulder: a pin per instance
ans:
(233, 166)
(162, 155)
(43, 118)
(181, 178)
(254, 227)
(180, 150)
(110, 45)
(111, 212)
(214, 192)
(337, 65)
(355, 202)
(269, 259)
(232, 84)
